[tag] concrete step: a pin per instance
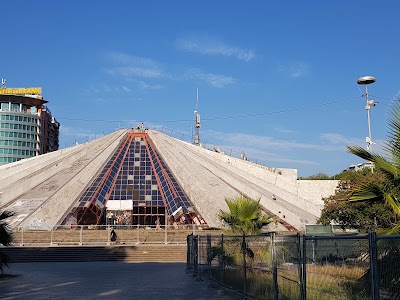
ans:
(140, 253)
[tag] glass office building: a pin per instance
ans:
(20, 127)
(49, 131)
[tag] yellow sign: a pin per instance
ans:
(21, 91)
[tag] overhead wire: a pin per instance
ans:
(182, 134)
(384, 98)
(218, 118)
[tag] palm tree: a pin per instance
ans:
(389, 165)
(5, 237)
(244, 216)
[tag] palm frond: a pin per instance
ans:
(5, 231)
(5, 214)
(360, 152)
(392, 146)
(393, 202)
(393, 138)
(389, 231)
(363, 195)
(244, 216)
(366, 192)
(385, 166)
(387, 189)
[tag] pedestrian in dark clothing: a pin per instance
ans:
(113, 236)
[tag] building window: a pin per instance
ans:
(14, 107)
(4, 106)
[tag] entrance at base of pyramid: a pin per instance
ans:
(129, 217)
(135, 187)
(117, 215)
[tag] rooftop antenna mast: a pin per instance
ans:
(197, 121)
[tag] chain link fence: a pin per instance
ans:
(271, 266)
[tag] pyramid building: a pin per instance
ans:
(140, 176)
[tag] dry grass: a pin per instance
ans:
(324, 282)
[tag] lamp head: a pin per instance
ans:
(366, 80)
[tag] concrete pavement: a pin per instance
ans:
(106, 280)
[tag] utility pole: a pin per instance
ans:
(365, 81)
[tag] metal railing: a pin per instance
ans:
(270, 266)
(101, 235)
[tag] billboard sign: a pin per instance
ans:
(21, 91)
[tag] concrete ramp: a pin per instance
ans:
(44, 190)
(209, 180)
(43, 197)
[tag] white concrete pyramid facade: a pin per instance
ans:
(43, 190)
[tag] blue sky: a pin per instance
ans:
(276, 80)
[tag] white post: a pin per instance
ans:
(368, 108)
(137, 234)
(166, 235)
(80, 236)
(22, 236)
(51, 236)
(108, 236)
(166, 225)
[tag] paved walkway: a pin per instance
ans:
(105, 280)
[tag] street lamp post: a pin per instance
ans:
(365, 81)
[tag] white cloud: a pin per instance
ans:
(339, 139)
(283, 130)
(258, 155)
(105, 88)
(125, 88)
(132, 71)
(294, 69)
(133, 66)
(288, 151)
(77, 132)
(125, 59)
(259, 149)
(216, 80)
(101, 100)
(207, 46)
(265, 142)
(146, 86)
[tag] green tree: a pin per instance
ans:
(5, 237)
(245, 216)
(387, 191)
(318, 176)
(360, 215)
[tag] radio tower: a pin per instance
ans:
(197, 121)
